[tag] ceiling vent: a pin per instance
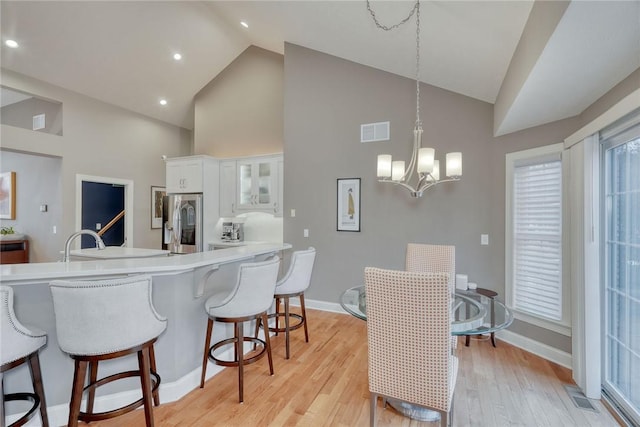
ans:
(374, 132)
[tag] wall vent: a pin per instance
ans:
(38, 122)
(373, 132)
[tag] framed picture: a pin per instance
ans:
(8, 195)
(157, 193)
(348, 204)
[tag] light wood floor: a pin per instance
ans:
(325, 384)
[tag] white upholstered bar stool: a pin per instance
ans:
(249, 300)
(19, 344)
(102, 320)
(293, 284)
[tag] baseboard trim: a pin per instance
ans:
(545, 351)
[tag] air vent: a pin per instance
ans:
(373, 132)
(38, 122)
(579, 399)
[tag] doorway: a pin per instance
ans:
(621, 281)
(104, 205)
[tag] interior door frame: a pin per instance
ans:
(128, 202)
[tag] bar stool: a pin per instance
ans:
(293, 284)
(103, 320)
(19, 345)
(249, 300)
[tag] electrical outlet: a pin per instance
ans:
(54, 229)
(98, 226)
(484, 239)
(305, 233)
(293, 213)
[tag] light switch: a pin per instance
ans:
(98, 226)
(54, 229)
(306, 232)
(293, 213)
(484, 239)
(43, 208)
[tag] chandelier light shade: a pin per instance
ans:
(423, 171)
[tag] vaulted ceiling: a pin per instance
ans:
(534, 68)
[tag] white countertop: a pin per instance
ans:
(116, 252)
(16, 274)
(232, 243)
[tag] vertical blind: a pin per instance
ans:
(537, 239)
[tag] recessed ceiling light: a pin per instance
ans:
(244, 24)
(11, 43)
(177, 56)
(163, 101)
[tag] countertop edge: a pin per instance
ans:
(17, 274)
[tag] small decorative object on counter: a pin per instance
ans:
(461, 281)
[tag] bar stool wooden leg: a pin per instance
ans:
(36, 379)
(277, 315)
(304, 318)
(152, 360)
(2, 398)
(239, 333)
(267, 341)
(76, 392)
(145, 382)
(286, 326)
(205, 357)
(93, 376)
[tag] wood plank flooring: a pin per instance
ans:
(325, 384)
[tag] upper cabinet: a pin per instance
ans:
(251, 184)
(185, 175)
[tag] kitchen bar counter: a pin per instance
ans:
(115, 252)
(181, 284)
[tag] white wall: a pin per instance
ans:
(99, 139)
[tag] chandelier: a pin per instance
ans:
(423, 171)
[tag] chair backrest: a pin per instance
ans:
(253, 292)
(16, 340)
(298, 276)
(105, 316)
(408, 329)
(422, 258)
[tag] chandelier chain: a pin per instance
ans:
(393, 27)
(417, 9)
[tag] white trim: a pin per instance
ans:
(623, 107)
(128, 202)
(561, 328)
(511, 160)
(333, 307)
(547, 352)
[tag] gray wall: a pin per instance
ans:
(37, 183)
(101, 140)
(21, 114)
(326, 100)
(239, 113)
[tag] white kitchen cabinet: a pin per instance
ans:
(185, 175)
(257, 184)
(227, 188)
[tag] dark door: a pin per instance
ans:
(101, 203)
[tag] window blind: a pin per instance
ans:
(537, 239)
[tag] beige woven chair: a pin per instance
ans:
(408, 328)
(422, 258)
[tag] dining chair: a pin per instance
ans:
(426, 258)
(408, 330)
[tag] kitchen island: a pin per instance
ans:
(181, 284)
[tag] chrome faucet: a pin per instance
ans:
(67, 245)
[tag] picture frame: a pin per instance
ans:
(8, 195)
(157, 193)
(348, 212)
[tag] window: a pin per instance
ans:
(534, 228)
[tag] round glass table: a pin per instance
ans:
(472, 314)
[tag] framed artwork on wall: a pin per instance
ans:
(157, 193)
(348, 215)
(8, 195)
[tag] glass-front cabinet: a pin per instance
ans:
(257, 185)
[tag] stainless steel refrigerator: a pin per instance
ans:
(182, 219)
